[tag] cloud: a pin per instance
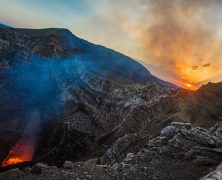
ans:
(194, 67)
(207, 65)
(174, 34)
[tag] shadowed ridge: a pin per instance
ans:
(4, 26)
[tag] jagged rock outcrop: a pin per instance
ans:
(214, 175)
(179, 152)
(100, 112)
(197, 144)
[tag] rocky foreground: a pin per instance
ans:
(179, 152)
(91, 113)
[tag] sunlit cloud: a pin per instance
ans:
(207, 65)
(181, 36)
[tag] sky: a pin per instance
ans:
(177, 40)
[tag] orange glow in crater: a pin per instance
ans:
(12, 161)
(22, 152)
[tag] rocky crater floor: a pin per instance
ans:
(149, 140)
(179, 152)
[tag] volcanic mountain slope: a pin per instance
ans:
(22, 44)
(75, 101)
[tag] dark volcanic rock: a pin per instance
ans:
(162, 157)
(214, 175)
(96, 116)
(202, 107)
(38, 168)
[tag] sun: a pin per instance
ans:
(189, 85)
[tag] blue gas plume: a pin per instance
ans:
(40, 83)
